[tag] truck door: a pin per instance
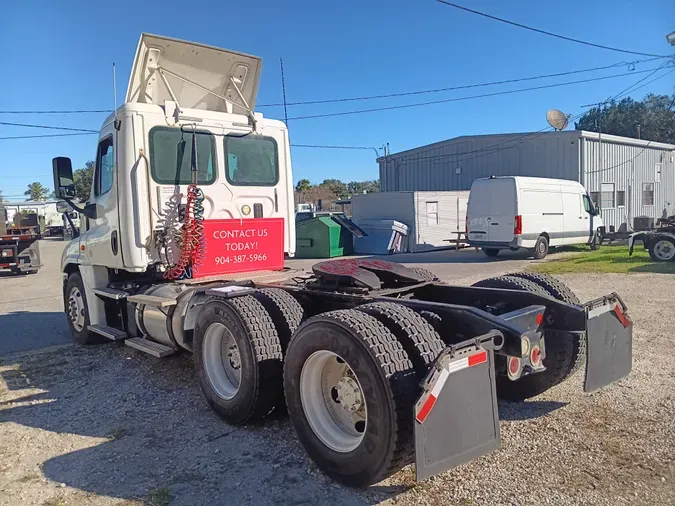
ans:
(502, 218)
(102, 240)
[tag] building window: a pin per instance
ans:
(621, 198)
(607, 196)
(657, 172)
(432, 214)
(647, 194)
(595, 198)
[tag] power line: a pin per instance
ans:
(459, 99)
(44, 135)
(81, 111)
(545, 32)
(49, 127)
(631, 67)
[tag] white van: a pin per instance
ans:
(532, 213)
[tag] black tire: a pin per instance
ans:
(596, 242)
(285, 310)
(426, 273)
(491, 252)
(652, 248)
(83, 336)
(560, 291)
(383, 370)
(253, 331)
(419, 339)
(559, 352)
(540, 248)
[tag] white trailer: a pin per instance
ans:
(191, 207)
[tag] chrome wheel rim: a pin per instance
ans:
(664, 250)
(333, 401)
(76, 310)
(222, 362)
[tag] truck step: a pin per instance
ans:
(110, 293)
(109, 332)
(150, 347)
(152, 300)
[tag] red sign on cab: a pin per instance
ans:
(242, 246)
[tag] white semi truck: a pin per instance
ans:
(190, 218)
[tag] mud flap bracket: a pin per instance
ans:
(456, 418)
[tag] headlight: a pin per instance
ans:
(6, 253)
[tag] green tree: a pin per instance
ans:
(336, 187)
(655, 115)
(303, 186)
(83, 179)
(363, 187)
(37, 192)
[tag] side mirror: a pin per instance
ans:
(62, 207)
(64, 184)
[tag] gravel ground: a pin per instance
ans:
(106, 425)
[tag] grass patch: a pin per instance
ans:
(116, 433)
(606, 259)
(159, 497)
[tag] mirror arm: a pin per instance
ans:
(89, 210)
(76, 234)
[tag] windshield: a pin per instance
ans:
(171, 154)
(252, 160)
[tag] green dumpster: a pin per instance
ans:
(322, 237)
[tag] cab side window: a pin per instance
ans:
(105, 167)
(588, 207)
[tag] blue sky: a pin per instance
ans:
(58, 55)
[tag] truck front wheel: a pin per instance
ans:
(238, 359)
(350, 389)
(77, 311)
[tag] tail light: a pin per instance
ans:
(513, 370)
(535, 356)
(518, 228)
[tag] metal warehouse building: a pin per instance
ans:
(626, 177)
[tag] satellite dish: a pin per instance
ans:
(557, 119)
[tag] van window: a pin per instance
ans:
(171, 156)
(588, 207)
(251, 160)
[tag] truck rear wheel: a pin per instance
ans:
(77, 311)
(238, 359)
(349, 388)
(559, 351)
(560, 291)
(418, 338)
(285, 310)
(662, 249)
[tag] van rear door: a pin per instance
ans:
(478, 210)
(503, 210)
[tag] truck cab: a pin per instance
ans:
(180, 95)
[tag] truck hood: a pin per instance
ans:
(190, 70)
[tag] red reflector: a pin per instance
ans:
(540, 319)
(535, 356)
(623, 318)
(514, 366)
(426, 409)
(518, 228)
(477, 358)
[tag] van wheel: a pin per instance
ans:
(541, 248)
(491, 252)
(596, 242)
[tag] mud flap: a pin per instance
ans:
(456, 417)
(609, 348)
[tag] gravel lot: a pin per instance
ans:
(107, 425)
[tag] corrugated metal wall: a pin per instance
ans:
(628, 168)
(454, 164)
(438, 215)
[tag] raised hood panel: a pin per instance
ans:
(190, 69)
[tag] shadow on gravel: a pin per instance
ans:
(25, 330)
(512, 411)
(153, 430)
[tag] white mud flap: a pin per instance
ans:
(609, 346)
(456, 417)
